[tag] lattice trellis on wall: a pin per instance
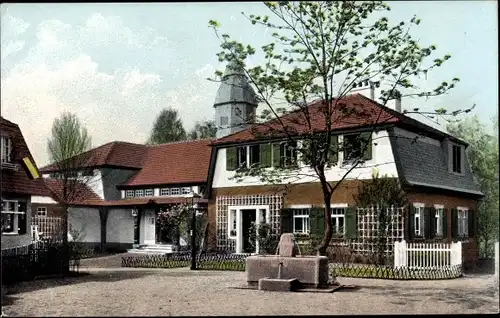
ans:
(275, 203)
(368, 225)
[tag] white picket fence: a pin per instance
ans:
(427, 255)
(46, 227)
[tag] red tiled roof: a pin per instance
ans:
(80, 193)
(116, 153)
(363, 112)
(18, 181)
(178, 162)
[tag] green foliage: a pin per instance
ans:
(167, 128)
(268, 241)
(203, 130)
(320, 51)
(382, 191)
(69, 138)
(482, 155)
(76, 247)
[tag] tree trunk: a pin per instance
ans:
(327, 195)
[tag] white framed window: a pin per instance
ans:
(419, 219)
(231, 228)
(438, 217)
(185, 190)
(139, 193)
(164, 191)
(13, 217)
(6, 149)
(463, 222)
(41, 211)
(129, 194)
(148, 192)
(175, 191)
(301, 221)
(338, 217)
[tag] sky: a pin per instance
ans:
(117, 65)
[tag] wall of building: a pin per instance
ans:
(53, 210)
(120, 227)
(470, 251)
(13, 240)
(111, 177)
(382, 159)
(87, 221)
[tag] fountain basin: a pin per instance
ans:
(310, 271)
(275, 284)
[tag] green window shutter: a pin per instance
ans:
(333, 156)
(366, 138)
(445, 223)
(277, 155)
(411, 223)
(317, 222)
(265, 155)
(471, 218)
(286, 221)
(351, 223)
(429, 220)
(454, 223)
(231, 159)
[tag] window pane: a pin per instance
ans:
(341, 225)
(7, 223)
(254, 154)
(297, 225)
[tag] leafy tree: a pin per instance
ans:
(203, 130)
(67, 146)
(167, 128)
(381, 193)
(319, 52)
(482, 154)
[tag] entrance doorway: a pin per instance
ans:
(247, 217)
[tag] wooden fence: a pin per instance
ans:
(427, 255)
(47, 228)
(30, 261)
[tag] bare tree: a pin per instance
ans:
(320, 52)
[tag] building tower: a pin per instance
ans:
(236, 102)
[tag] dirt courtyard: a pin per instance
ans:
(164, 292)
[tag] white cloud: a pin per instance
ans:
(58, 75)
(11, 28)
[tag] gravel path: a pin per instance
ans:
(139, 292)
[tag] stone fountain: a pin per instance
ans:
(285, 271)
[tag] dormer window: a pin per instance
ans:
(456, 157)
(357, 146)
(6, 149)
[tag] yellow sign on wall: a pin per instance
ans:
(31, 168)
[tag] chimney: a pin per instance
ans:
(365, 88)
(395, 101)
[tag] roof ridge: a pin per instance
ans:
(180, 142)
(406, 117)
